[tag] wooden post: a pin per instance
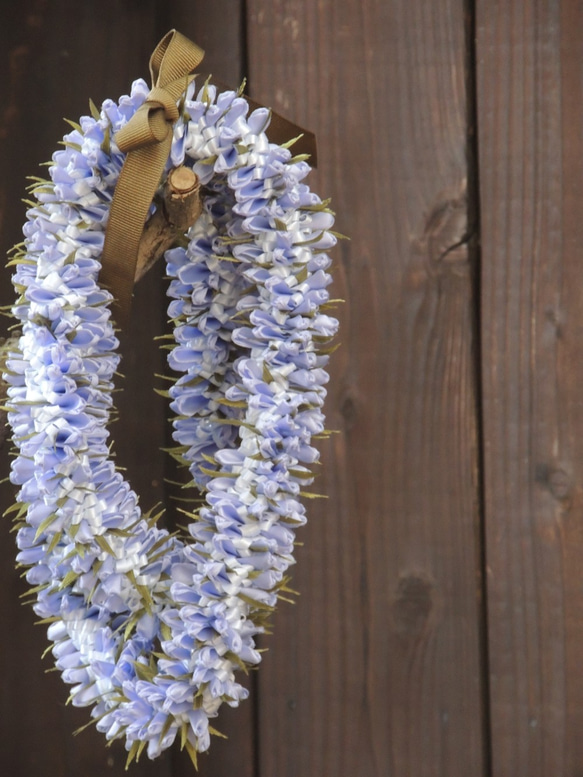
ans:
(180, 208)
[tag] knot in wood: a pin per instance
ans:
(412, 605)
(555, 480)
(445, 236)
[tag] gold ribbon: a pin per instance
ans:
(147, 141)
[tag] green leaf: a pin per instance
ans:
(302, 275)
(191, 515)
(205, 97)
(74, 530)
(44, 525)
(165, 540)
(43, 621)
(104, 545)
(231, 402)
(300, 474)
(299, 158)
(216, 733)
(165, 728)
(129, 626)
(144, 672)
(70, 144)
(132, 754)
(235, 659)
(32, 591)
(191, 750)
(142, 590)
(74, 124)
(290, 143)
(217, 473)
(254, 603)
(311, 241)
(183, 735)
(20, 506)
(155, 517)
(321, 206)
(94, 110)
(90, 722)
(106, 143)
(329, 351)
(68, 580)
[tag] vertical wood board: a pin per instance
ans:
(530, 133)
(376, 671)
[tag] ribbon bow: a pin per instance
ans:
(147, 139)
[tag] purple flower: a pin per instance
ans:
(149, 629)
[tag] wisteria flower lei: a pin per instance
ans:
(149, 628)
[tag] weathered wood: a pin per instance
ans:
(376, 671)
(530, 78)
(179, 208)
(218, 27)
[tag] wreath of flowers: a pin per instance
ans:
(149, 627)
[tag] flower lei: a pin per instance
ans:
(149, 628)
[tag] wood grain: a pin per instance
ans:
(218, 27)
(530, 66)
(376, 671)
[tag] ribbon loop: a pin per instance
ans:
(147, 139)
(148, 125)
(166, 100)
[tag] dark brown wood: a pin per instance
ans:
(530, 78)
(376, 670)
(218, 27)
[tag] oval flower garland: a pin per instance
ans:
(149, 628)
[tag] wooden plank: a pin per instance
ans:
(219, 27)
(376, 670)
(530, 67)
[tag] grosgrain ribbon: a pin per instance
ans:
(147, 140)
